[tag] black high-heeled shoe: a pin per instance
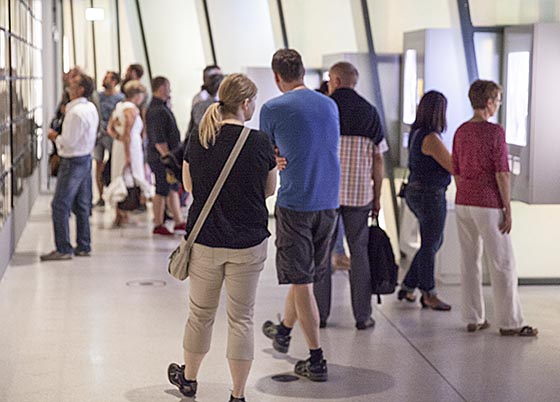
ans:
(436, 305)
(408, 296)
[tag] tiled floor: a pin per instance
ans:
(91, 329)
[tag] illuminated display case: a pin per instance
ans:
(432, 61)
(531, 65)
(20, 99)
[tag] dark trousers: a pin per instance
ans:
(430, 208)
(356, 226)
(72, 194)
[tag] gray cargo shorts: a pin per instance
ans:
(303, 244)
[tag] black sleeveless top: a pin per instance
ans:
(425, 171)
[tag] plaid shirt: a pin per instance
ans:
(360, 132)
(356, 167)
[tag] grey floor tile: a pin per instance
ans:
(91, 329)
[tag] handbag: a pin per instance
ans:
(404, 184)
(178, 264)
(132, 199)
(54, 164)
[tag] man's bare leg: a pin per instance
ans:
(159, 205)
(99, 166)
(307, 313)
(174, 205)
(290, 312)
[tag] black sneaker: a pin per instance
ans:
(280, 343)
(315, 372)
(234, 399)
(369, 323)
(176, 376)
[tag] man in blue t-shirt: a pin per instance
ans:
(304, 127)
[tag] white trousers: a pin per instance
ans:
(479, 228)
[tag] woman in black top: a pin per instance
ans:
(430, 164)
(231, 247)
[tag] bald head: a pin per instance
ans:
(342, 75)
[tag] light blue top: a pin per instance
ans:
(304, 126)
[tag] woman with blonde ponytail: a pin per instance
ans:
(231, 246)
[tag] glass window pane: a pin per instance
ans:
(5, 150)
(512, 12)
(4, 14)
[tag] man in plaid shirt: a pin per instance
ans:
(362, 144)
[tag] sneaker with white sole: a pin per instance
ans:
(176, 376)
(280, 343)
(313, 371)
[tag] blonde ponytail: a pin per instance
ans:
(210, 125)
(233, 91)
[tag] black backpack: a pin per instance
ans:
(382, 265)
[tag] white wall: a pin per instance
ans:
(391, 19)
(242, 32)
(318, 27)
(173, 36)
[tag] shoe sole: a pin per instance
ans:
(316, 377)
(271, 334)
(265, 329)
(279, 348)
(171, 370)
(56, 259)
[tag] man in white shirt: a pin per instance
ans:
(73, 187)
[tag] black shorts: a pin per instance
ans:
(302, 244)
(162, 185)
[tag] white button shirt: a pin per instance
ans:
(79, 129)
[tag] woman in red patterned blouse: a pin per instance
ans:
(483, 210)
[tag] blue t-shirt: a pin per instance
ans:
(107, 104)
(304, 126)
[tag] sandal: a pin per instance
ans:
(478, 327)
(524, 331)
(408, 296)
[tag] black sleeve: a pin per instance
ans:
(266, 149)
(188, 149)
(377, 129)
(157, 126)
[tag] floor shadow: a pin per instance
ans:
(154, 393)
(22, 258)
(344, 382)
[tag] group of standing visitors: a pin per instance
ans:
(329, 153)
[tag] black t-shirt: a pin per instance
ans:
(239, 217)
(357, 116)
(161, 128)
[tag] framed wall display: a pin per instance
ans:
(20, 97)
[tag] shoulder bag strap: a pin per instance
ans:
(217, 187)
